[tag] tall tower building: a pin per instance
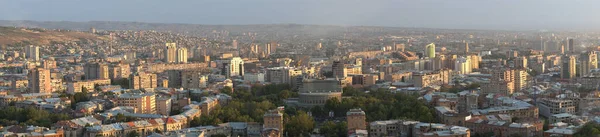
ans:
(589, 61)
(520, 76)
(175, 78)
(193, 80)
(319, 46)
(570, 45)
(521, 62)
(119, 71)
(32, 53)
(234, 44)
(140, 80)
(274, 46)
(339, 69)
(430, 50)
(568, 67)
(267, 49)
(466, 47)
(39, 81)
(182, 55)
(439, 62)
(96, 70)
(233, 67)
(463, 65)
(170, 53)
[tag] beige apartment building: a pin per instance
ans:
(142, 80)
(356, 119)
(273, 119)
(74, 87)
(142, 102)
(39, 81)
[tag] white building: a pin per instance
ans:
(463, 65)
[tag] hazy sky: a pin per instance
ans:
(469, 14)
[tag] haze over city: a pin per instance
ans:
(451, 14)
(299, 68)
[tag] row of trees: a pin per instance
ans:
(29, 116)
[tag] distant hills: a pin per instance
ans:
(12, 35)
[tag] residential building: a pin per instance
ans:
(39, 81)
(32, 53)
(141, 80)
(96, 70)
(273, 119)
(142, 102)
(193, 80)
(170, 52)
(356, 119)
(568, 67)
(589, 61)
(182, 55)
(233, 67)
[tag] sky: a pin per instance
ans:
(451, 14)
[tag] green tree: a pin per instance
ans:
(133, 134)
(299, 125)
(331, 129)
(195, 122)
(226, 90)
(588, 130)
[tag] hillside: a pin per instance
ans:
(11, 35)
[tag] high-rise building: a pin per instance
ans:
(193, 80)
(49, 63)
(163, 106)
(568, 67)
(141, 80)
(520, 76)
(339, 69)
(39, 81)
(521, 62)
(282, 75)
(234, 44)
(502, 81)
(233, 67)
(356, 119)
(144, 103)
(319, 46)
(267, 49)
(466, 47)
(463, 65)
(475, 60)
(32, 53)
(430, 50)
(119, 71)
(170, 53)
(439, 62)
(182, 55)
(175, 78)
(96, 70)
(589, 61)
(570, 45)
